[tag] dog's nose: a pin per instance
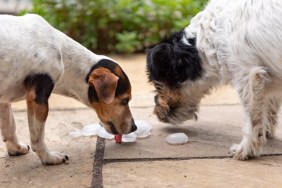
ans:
(133, 126)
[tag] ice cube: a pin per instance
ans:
(143, 128)
(177, 138)
(91, 130)
(104, 134)
(131, 137)
(75, 134)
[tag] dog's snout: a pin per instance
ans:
(133, 126)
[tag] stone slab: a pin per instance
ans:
(212, 135)
(205, 173)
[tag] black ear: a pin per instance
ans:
(186, 63)
(158, 61)
(173, 61)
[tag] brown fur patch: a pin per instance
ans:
(167, 100)
(40, 111)
(118, 71)
(105, 83)
(30, 97)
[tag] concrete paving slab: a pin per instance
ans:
(212, 135)
(201, 173)
(27, 171)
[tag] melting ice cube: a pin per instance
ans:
(143, 128)
(91, 130)
(131, 137)
(104, 134)
(177, 138)
(75, 134)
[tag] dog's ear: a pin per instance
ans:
(105, 84)
(173, 63)
(158, 61)
(186, 62)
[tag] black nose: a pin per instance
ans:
(133, 126)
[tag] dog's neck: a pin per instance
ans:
(204, 28)
(77, 61)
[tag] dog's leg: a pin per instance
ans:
(8, 129)
(39, 89)
(273, 107)
(251, 91)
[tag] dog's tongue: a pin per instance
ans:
(118, 138)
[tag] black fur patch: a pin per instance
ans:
(173, 62)
(43, 85)
(123, 82)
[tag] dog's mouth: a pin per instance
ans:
(110, 127)
(175, 115)
(177, 120)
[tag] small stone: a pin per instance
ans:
(177, 138)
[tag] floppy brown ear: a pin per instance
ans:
(105, 84)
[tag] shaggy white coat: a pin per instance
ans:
(240, 42)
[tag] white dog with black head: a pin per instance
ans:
(237, 42)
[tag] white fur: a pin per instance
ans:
(240, 42)
(28, 44)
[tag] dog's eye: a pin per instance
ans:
(124, 102)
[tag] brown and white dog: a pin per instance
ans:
(36, 60)
(237, 42)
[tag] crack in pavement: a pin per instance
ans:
(97, 177)
(122, 160)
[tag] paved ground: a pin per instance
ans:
(151, 162)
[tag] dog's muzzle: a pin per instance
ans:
(115, 131)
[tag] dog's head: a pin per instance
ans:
(109, 93)
(173, 66)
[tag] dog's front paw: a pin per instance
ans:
(239, 152)
(55, 158)
(16, 149)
